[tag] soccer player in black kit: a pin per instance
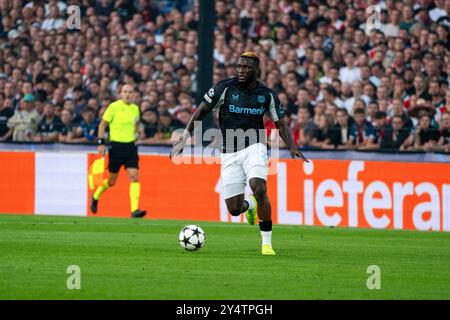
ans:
(242, 103)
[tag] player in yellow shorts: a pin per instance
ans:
(122, 116)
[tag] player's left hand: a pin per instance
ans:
(297, 153)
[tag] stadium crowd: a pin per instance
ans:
(343, 83)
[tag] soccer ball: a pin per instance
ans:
(192, 237)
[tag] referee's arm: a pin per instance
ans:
(101, 136)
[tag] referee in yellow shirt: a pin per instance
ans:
(122, 116)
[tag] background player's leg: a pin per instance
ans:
(259, 189)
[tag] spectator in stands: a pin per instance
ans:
(437, 99)
(50, 125)
(392, 28)
(372, 110)
(87, 130)
(67, 125)
(356, 93)
(359, 104)
(446, 107)
(420, 88)
(6, 112)
(53, 21)
(340, 132)
(381, 128)
(362, 131)
(304, 128)
(330, 95)
(10, 92)
(69, 105)
(25, 121)
(331, 110)
(304, 100)
(425, 136)
(344, 89)
(396, 135)
(397, 109)
(323, 135)
(183, 116)
(350, 72)
(149, 129)
(419, 108)
(369, 91)
(153, 45)
(166, 127)
(376, 70)
(444, 140)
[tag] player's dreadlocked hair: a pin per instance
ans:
(251, 55)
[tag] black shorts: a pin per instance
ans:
(122, 154)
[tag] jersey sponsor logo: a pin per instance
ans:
(240, 110)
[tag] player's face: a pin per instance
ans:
(246, 70)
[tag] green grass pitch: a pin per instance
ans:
(141, 259)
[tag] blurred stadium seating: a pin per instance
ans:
(321, 58)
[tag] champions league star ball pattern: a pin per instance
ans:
(192, 237)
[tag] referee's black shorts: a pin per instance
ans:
(122, 154)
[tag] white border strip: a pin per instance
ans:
(61, 184)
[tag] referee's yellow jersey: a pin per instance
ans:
(122, 118)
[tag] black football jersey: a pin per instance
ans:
(54, 126)
(5, 114)
(241, 112)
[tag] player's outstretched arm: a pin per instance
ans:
(198, 115)
(287, 138)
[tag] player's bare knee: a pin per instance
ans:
(234, 209)
(235, 212)
(133, 175)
